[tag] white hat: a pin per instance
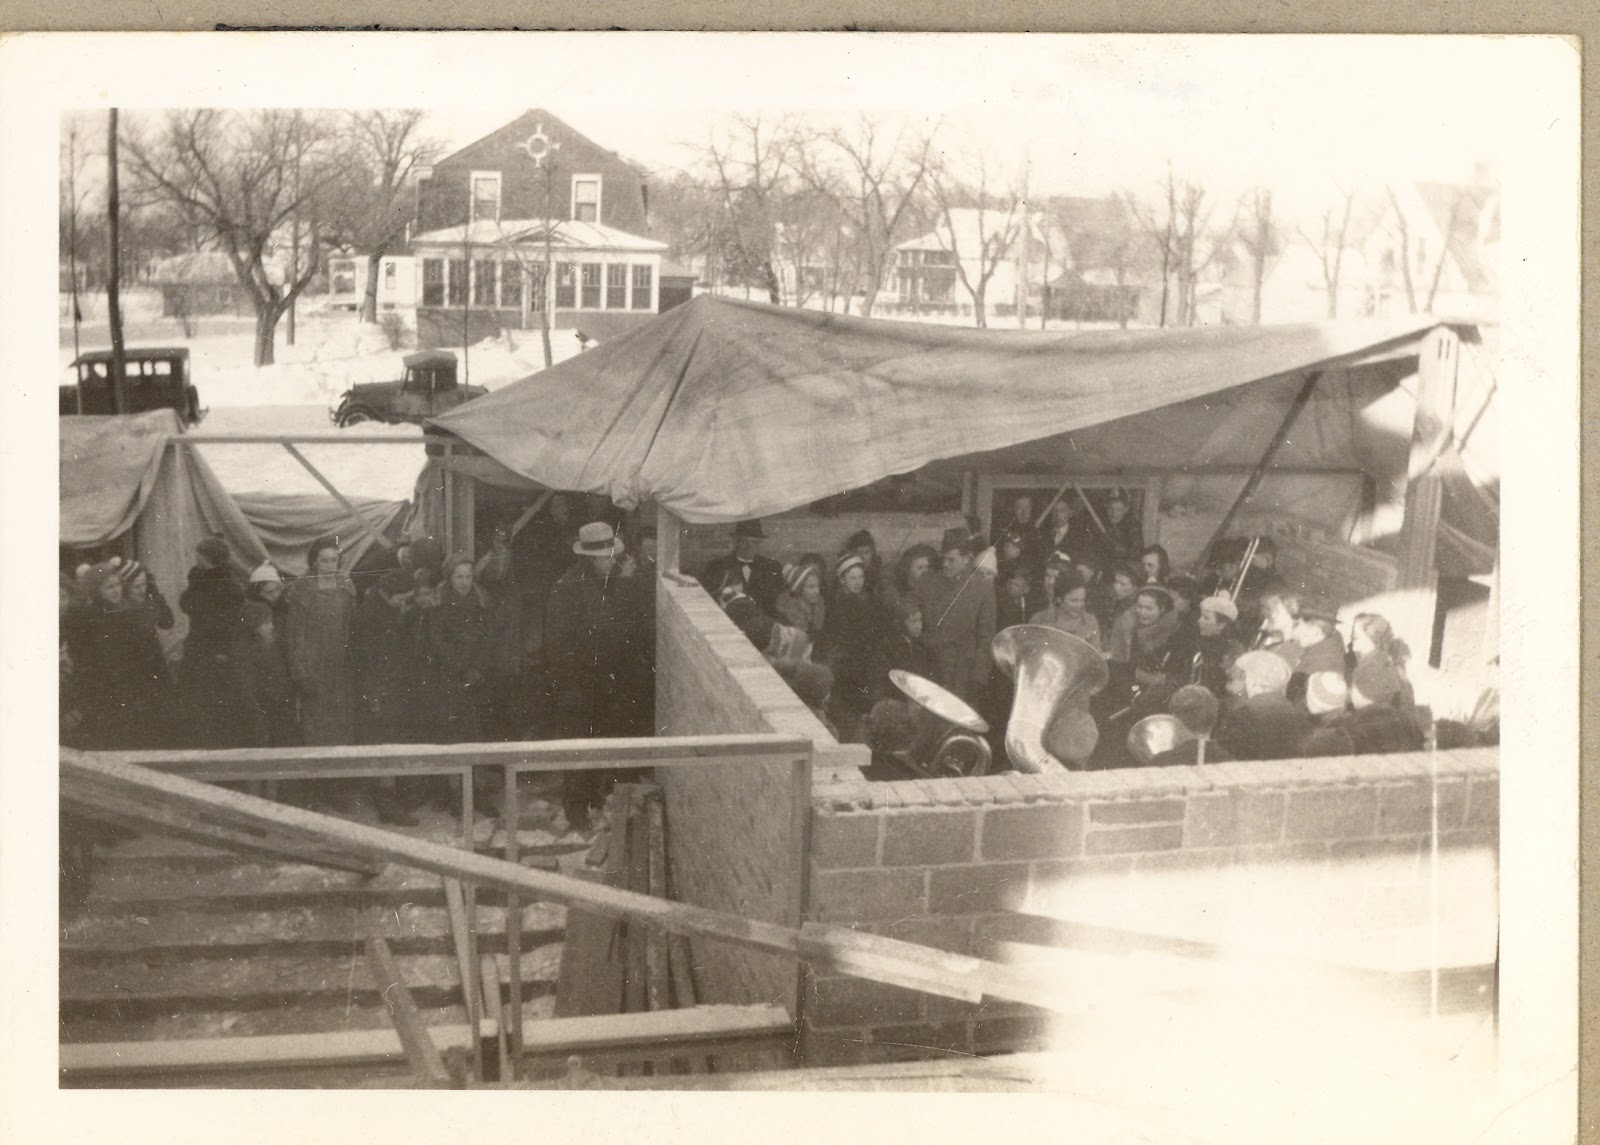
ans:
(264, 573)
(597, 539)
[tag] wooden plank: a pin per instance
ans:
(165, 821)
(669, 541)
(531, 512)
(511, 814)
(344, 502)
(634, 994)
(362, 760)
(330, 438)
(590, 980)
(883, 960)
(342, 1047)
(461, 937)
(658, 984)
(624, 1031)
(489, 991)
(680, 964)
(421, 1053)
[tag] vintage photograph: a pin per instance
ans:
(880, 584)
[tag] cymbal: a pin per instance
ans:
(940, 701)
(1153, 735)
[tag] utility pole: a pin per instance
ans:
(72, 236)
(549, 265)
(119, 358)
(294, 233)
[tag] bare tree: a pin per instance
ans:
(996, 220)
(876, 182)
(1329, 244)
(385, 148)
(231, 176)
(1402, 232)
(1178, 228)
(1159, 225)
(749, 165)
(1457, 203)
(1261, 235)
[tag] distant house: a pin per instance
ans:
(533, 217)
(1452, 238)
(347, 281)
(204, 282)
(935, 272)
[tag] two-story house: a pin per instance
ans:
(533, 218)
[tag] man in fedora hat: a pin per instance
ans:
(599, 653)
(761, 577)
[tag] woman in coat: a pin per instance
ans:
(855, 632)
(321, 613)
(117, 667)
(459, 636)
(210, 684)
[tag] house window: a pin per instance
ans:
(643, 281)
(591, 286)
(433, 282)
(586, 198)
(511, 285)
(390, 276)
(483, 281)
(485, 195)
(616, 286)
(343, 273)
(566, 285)
(456, 283)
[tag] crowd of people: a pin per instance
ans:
(1240, 662)
(554, 639)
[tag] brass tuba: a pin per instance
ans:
(1155, 734)
(1055, 674)
(949, 741)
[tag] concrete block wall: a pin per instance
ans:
(735, 833)
(950, 863)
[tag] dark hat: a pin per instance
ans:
(860, 538)
(426, 553)
(597, 539)
(1319, 610)
(214, 549)
(956, 539)
(1376, 680)
(750, 528)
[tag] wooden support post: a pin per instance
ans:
(531, 512)
(420, 1050)
(1417, 546)
(669, 541)
(461, 936)
(344, 502)
(658, 983)
(511, 816)
(495, 1007)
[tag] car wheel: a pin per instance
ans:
(355, 416)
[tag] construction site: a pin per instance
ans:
(750, 912)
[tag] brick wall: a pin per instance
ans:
(950, 863)
(735, 833)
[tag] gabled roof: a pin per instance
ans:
(566, 233)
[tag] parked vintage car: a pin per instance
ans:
(155, 377)
(429, 387)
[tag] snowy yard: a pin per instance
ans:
(332, 352)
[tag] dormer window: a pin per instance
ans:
(485, 195)
(586, 198)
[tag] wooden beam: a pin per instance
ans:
(658, 980)
(421, 1053)
(461, 936)
(531, 512)
(344, 502)
(880, 959)
(1307, 388)
(277, 1051)
(626, 1031)
(489, 977)
(295, 439)
(512, 816)
(365, 760)
(669, 541)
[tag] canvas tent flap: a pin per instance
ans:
(108, 467)
(287, 524)
(723, 409)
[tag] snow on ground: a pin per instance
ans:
(332, 352)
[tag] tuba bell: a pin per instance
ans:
(949, 739)
(1055, 675)
(1155, 734)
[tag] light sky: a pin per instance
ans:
(1089, 115)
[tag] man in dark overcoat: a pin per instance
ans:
(760, 577)
(958, 618)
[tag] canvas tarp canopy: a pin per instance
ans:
(118, 478)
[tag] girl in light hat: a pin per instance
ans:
(800, 604)
(855, 631)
